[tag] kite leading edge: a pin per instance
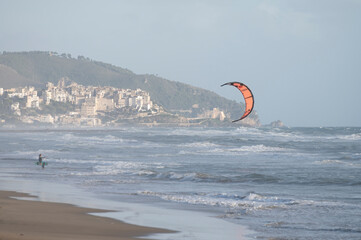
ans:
(248, 98)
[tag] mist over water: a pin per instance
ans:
(293, 183)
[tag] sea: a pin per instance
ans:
(276, 183)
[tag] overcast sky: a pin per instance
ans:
(301, 59)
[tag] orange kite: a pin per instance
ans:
(248, 98)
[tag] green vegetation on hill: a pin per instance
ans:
(37, 68)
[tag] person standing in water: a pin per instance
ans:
(41, 161)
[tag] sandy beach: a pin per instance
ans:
(36, 220)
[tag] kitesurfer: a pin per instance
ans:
(40, 158)
(41, 161)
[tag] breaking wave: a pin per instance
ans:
(246, 204)
(207, 148)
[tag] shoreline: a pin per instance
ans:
(164, 223)
(35, 220)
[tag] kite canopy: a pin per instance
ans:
(248, 98)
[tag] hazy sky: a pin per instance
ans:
(301, 58)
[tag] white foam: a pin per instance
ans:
(266, 133)
(236, 151)
(259, 148)
(249, 203)
(199, 145)
(69, 137)
(356, 136)
(121, 167)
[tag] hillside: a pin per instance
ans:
(10, 78)
(37, 68)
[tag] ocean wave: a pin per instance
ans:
(199, 145)
(111, 168)
(321, 134)
(355, 136)
(333, 161)
(88, 174)
(183, 176)
(246, 204)
(216, 149)
(206, 177)
(81, 161)
(161, 172)
(108, 169)
(317, 229)
(174, 176)
(197, 132)
(70, 137)
(258, 148)
(202, 152)
(268, 133)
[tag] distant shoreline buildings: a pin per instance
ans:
(90, 102)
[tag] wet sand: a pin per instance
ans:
(35, 220)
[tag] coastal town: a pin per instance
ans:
(87, 104)
(91, 106)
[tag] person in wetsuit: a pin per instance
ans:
(41, 161)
